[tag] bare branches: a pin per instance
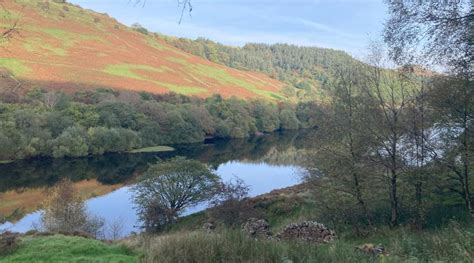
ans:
(437, 32)
(10, 30)
(185, 6)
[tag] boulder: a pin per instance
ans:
(308, 231)
(257, 228)
(208, 227)
(371, 249)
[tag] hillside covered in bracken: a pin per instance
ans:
(65, 47)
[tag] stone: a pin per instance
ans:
(371, 249)
(308, 231)
(208, 227)
(257, 228)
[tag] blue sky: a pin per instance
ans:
(338, 24)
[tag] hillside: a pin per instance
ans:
(308, 71)
(65, 47)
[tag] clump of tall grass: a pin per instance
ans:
(234, 246)
(454, 243)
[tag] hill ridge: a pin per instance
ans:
(73, 48)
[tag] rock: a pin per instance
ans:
(308, 231)
(257, 228)
(208, 227)
(371, 249)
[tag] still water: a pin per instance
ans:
(264, 163)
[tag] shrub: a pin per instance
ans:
(229, 206)
(9, 242)
(65, 211)
(139, 28)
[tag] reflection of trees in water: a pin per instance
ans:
(279, 148)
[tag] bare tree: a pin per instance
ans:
(51, 99)
(115, 229)
(387, 90)
(442, 33)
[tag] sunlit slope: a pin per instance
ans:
(62, 46)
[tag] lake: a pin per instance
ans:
(265, 163)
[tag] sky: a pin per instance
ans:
(339, 24)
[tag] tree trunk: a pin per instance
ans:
(393, 199)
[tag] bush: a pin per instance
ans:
(9, 242)
(139, 28)
(65, 211)
(229, 206)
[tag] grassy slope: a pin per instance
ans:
(69, 249)
(451, 243)
(62, 46)
(187, 243)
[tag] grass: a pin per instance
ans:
(37, 45)
(129, 70)
(178, 61)
(223, 77)
(153, 149)
(152, 42)
(68, 39)
(6, 161)
(234, 246)
(15, 66)
(451, 244)
(60, 248)
(185, 90)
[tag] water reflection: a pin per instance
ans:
(265, 163)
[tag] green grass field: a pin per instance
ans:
(69, 249)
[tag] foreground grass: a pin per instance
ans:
(153, 149)
(451, 244)
(233, 246)
(60, 248)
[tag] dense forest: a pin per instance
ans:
(308, 71)
(94, 122)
